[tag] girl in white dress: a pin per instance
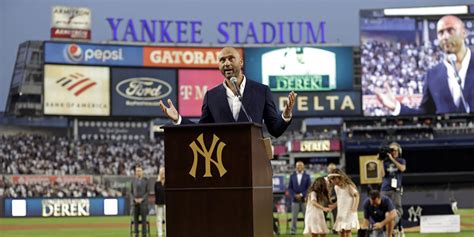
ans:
(347, 203)
(314, 221)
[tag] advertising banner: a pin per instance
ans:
(28, 179)
(76, 90)
(181, 57)
(330, 103)
(64, 207)
(327, 145)
(193, 85)
(301, 68)
(92, 54)
(71, 17)
(137, 92)
(279, 184)
(113, 130)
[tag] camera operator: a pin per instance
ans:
(379, 215)
(393, 167)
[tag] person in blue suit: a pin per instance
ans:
(222, 103)
(445, 85)
(298, 188)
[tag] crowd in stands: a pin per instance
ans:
(36, 154)
(315, 134)
(410, 129)
(401, 66)
(57, 190)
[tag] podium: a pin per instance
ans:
(218, 181)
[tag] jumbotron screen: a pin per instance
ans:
(405, 65)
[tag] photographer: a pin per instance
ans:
(379, 215)
(393, 167)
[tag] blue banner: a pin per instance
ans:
(93, 54)
(327, 103)
(64, 207)
(137, 92)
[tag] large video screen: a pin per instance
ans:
(322, 77)
(405, 66)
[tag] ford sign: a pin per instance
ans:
(143, 88)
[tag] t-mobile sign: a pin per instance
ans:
(193, 85)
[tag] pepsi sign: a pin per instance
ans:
(92, 54)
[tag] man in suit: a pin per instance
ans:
(447, 88)
(298, 188)
(223, 105)
(140, 200)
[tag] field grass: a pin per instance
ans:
(119, 226)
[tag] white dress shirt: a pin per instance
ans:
(452, 80)
(299, 176)
(234, 102)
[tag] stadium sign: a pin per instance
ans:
(299, 83)
(181, 57)
(193, 85)
(138, 91)
(143, 88)
(92, 54)
(315, 145)
(234, 32)
(71, 23)
(65, 207)
(327, 145)
(333, 103)
(76, 90)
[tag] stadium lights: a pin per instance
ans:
(421, 11)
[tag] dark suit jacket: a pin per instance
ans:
(437, 98)
(257, 100)
(294, 188)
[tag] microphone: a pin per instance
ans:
(452, 61)
(233, 81)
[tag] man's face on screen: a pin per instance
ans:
(451, 34)
(230, 62)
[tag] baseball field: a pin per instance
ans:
(119, 226)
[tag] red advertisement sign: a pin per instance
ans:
(26, 179)
(193, 85)
(59, 33)
(181, 57)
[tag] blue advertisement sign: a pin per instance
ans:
(137, 92)
(64, 207)
(93, 54)
(301, 68)
(325, 103)
(279, 184)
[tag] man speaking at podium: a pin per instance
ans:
(449, 86)
(252, 102)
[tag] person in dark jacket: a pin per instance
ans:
(160, 201)
(140, 200)
(298, 187)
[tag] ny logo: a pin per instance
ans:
(207, 154)
(414, 214)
